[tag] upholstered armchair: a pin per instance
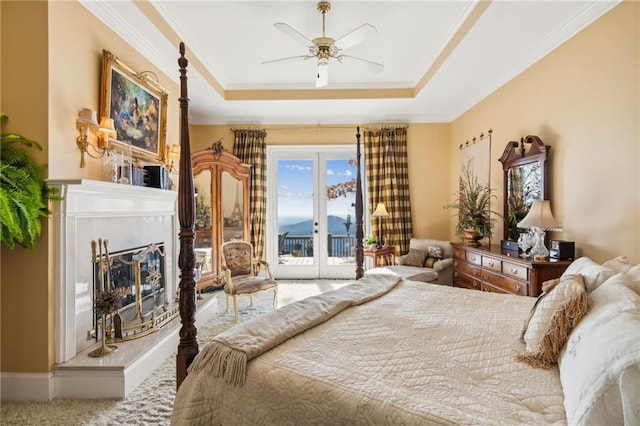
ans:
(244, 274)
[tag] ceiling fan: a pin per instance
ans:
(324, 48)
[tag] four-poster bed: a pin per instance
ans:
(383, 350)
(188, 346)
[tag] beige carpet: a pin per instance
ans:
(151, 403)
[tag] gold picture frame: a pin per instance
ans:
(138, 106)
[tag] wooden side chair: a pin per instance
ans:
(242, 274)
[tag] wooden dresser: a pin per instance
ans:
(488, 268)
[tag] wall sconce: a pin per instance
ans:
(173, 158)
(88, 121)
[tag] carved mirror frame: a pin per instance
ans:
(228, 200)
(531, 166)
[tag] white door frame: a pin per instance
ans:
(319, 154)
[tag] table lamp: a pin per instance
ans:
(380, 212)
(539, 220)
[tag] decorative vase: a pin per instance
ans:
(472, 237)
(104, 349)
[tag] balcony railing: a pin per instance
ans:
(302, 245)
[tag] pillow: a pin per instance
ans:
(429, 261)
(415, 257)
(556, 314)
(547, 286)
(618, 264)
(435, 251)
(593, 273)
(602, 356)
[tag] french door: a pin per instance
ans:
(311, 211)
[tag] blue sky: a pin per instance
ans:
(295, 188)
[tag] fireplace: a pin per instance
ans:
(129, 217)
(139, 275)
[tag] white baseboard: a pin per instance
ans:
(95, 382)
(26, 386)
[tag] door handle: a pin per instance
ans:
(315, 231)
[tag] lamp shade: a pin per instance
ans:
(540, 216)
(88, 117)
(381, 211)
(107, 127)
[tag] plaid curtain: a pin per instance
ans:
(249, 145)
(387, 174)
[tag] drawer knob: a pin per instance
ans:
(516, 286)
(490, 263)
(485, 277)
(475, 272)
(475, 284)
(473, 258)
(455, 274)
(455, 263)
(514, 271)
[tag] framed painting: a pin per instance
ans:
(138, 106)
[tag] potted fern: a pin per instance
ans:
(473, 204)
(24, 193)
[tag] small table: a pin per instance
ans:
(386, 253)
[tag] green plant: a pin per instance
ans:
(370, 239)
(24, 193)
(474, 205)
(203, 213)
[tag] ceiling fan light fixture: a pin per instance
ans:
(324, 48)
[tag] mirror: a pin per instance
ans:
(221, 181)
(202, 185)
(232, 208)
(524, 180)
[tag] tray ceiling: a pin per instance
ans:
(440, 57)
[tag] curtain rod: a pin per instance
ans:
(322, 127)
(467, 144)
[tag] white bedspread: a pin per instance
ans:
(421, 354)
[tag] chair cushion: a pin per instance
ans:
(251, 284)
(415, 257)
(237, 257)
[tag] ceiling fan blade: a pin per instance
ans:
(356, 36)
(322, 74)
(369, 65)
(287, 29)
(304, 57)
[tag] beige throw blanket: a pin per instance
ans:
(227, 355)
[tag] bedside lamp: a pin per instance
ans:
(539, 220)
(381, 211)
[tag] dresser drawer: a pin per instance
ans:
(507, 284)
(474, 258)
(466, 281)
(459, 253)
(467, 268)
(492, 289)
(514, 270)
(492, 263)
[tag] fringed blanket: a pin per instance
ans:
(227, 355)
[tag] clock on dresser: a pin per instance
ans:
(489, 268)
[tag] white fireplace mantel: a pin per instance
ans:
(127, 216)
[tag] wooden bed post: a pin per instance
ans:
(188, 346)
(359, 212)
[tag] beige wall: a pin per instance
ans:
(26, 293)
(51, 66)
(582, 99)
(428, 163)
